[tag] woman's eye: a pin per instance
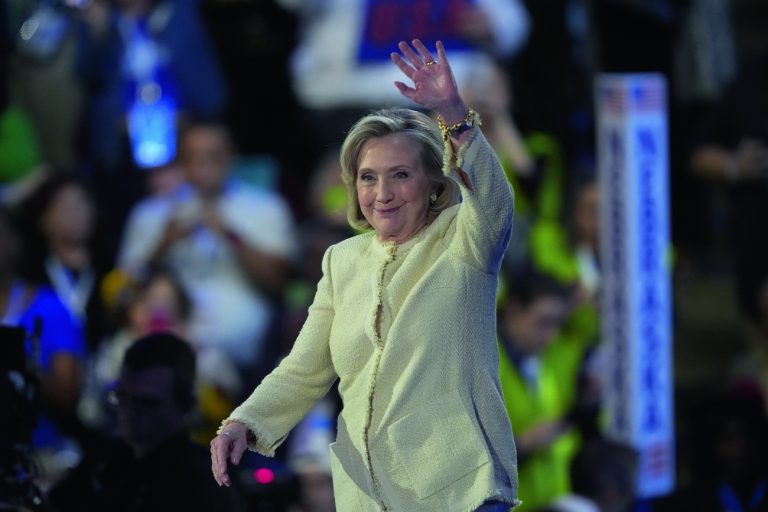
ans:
(366, 177)
(401, 174)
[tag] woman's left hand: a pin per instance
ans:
(434, 86)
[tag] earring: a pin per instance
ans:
(432, 198)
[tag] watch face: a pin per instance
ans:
(462, 128)
(470, 121)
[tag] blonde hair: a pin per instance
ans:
(422, 130)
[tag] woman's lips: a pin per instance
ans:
(385, 212)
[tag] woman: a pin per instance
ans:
(56, 347)
(61, 219)
(404, 316)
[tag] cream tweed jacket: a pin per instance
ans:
(410, 332)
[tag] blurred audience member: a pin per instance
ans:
(325, 226)
(156, 304)
(752, 365)
(144, 63)
(60, 222)
(532, 161)
(490, 93)
(705, 53)
(326, 194)
(538, 371)
(567, 247)
(164, 180)
(21, 165)
(603, 477)
(158, 467)
(57, 348)
(341, 68)
(43, 76)
(729, 462)
(732, 150)
(19, 152)
(229, 244)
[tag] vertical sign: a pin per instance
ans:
(633, 171)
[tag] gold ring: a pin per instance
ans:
(430, 62)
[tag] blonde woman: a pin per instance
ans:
(404, 317)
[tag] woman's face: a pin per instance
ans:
(156, 308)
(392, 187)
(70, 215)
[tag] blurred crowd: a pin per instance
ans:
(170, 180)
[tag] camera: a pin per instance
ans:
(19, 396)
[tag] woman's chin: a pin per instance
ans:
(395, 235)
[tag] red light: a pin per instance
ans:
(264, 476)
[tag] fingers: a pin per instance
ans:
(408, 92)
(220, 447)
(434, 86)
(404, 67)
(402, 87)
(441, 52)
(228, 446)
(412, 56)
(238, 448)
(424, 53)
(417, 60)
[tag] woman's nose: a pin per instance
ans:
(384, 192)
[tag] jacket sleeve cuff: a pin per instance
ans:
(259, 440)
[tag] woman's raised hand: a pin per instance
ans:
(434, 86)
(228, 446)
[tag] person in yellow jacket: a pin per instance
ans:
(404, 317)
(539, 369)
(532, 161)
(569, 252)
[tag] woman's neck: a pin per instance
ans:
(72, 254)
(401, 239)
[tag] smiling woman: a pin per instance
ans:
(395, 140)
(392, 187)
(404, 317)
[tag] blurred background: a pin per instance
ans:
(172, 166)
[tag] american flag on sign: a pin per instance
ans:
(613, 98)
(657, 459)
(648, 97)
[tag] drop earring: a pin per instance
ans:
(432, 198)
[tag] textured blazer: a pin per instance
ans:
(410, 332)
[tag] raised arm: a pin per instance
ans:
(484, 222)
(434, 86)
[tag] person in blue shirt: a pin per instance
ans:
(56, 345)
(144, 63)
